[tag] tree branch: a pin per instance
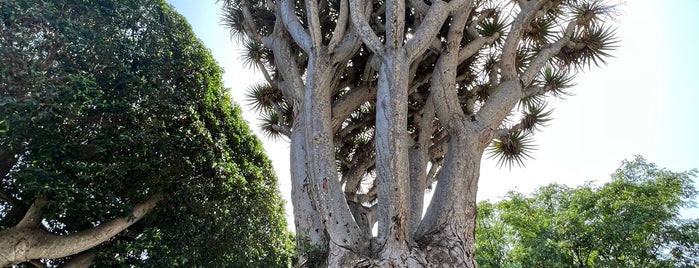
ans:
(25, 241)
(32, 218)
(37, 263)
(340, 26)
(371, 40)
(7, 161)
(343, 107)
(279, 43)
(546, 54)
(474, 46)
(313, 24)
(250, 28)
(446, 102)
(428, 29)
(509, 49)
(82, 260)
(347, 48)
(8, 198)
(294, 27)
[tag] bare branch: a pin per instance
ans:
(32, 218)
(37, 263)
(395, 24)
(447, 105)
(82, 260)
(294, 27)
(368, 35)
(30, 242)
(428, 29)
(534, 91)
(509, 49)
(292, 87)
(284, 130)
(8, 198)
(361, 162)
(264, 71)
(474, 46)
(343, 107)
(340, 27)
(55, 246)
(7, 161)
(349, 45)
(313, 20)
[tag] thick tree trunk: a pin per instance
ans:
(447, 233)
(392, 158)
(344, 234)
(27, 241)
(310, 231)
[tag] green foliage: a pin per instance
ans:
(105, 102)
(632, 221)
(315, 255)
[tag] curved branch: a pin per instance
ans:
(294, 27)
(313, 20)
(26, 242)
(292, 86)
(446, 101)
(340, 27)
(250, 28)
(343, 107)
(368, 35)
(82, 260)
(348, 47)
(474, 46)
(509, 49)
(32, 218)
(428, 29)
(546, 54)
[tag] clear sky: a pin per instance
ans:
(645, 101)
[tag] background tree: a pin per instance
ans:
(494, 238)
(632, 221)
(382, 98)
(119, 144)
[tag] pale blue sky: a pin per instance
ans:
(644, 102)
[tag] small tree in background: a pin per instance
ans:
(380, 99)
(632, 221)
(119, 144)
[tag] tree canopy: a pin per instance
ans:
(632, 221)
(381, 99)
(119, 144)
